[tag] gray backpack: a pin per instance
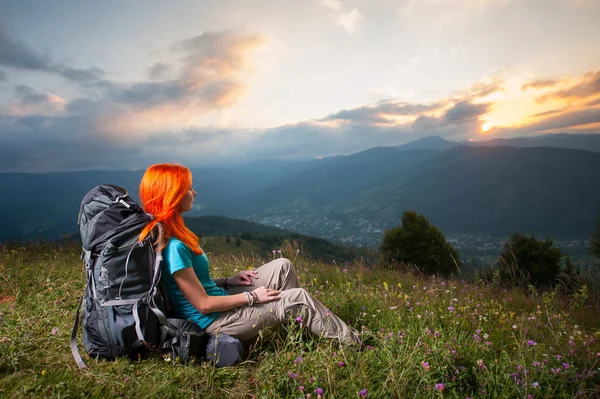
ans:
(123, 308)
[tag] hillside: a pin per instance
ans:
(425, 336)
(475, 189)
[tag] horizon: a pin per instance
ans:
(119, 86)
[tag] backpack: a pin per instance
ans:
(123, 308)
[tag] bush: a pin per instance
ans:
(527, 260)
(420, 243)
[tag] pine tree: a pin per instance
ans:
(420, 243)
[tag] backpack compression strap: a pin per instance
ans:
(74, 350)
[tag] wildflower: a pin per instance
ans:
(425, 365)
(514, 326)
(451, 308)
(55, 331)
(481, 365)
(127, 379)
(531, 343)
(292, 375)
(279, 251)
(535, 384)
(301, 388)
(341, 364)
(440, 387)
(536, 363)
(437, 334)
(319, 391)
(566, 365)
(297, 360)
(363, 393)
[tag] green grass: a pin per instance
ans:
(477, 340)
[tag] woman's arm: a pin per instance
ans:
(194, 292)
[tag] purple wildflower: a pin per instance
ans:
(451, 308)
(363, 392)
(55, 331)
(531, 343)
(319, 391)
(440, 387)
(301, 388)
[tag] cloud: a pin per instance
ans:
(124, 125)
(593, 103)
(587, 86)
(29, 101)
(464, 112)
(384, 112)
(159, 71)
(16, 54)
(540, 84)
(349, 20)
(2, 76)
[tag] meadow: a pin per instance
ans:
(426, 337)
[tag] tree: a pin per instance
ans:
(595, 239)
(227, 240)
(238, 243)
(418, 242)
(528, 260)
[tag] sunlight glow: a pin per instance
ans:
(485, 127)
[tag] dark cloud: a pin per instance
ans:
(564, 121)
(464, 111)
(546, 113)
(27, 95)
(382, 112)
(540, 84)
(15, 53)
(159, 71)
(588, 86)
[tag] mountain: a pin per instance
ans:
(470, 189)
(429, 143)
(463, 190)
(588, 142)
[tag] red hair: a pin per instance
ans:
(162, 189)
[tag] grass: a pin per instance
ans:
(428, 338)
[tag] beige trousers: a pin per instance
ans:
(245, 322)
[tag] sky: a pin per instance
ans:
(114, 85)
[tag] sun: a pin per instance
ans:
(485, 127)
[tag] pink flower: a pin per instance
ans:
(425, 366)
(55, 331)
(440, 387)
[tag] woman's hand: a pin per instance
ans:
(266, 294)
(243, 278)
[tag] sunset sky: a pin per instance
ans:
(124, 84)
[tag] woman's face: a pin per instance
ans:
(188, 200)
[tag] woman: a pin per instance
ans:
(239, 306)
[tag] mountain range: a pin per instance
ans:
(547, 185)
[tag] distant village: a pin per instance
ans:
(364, 233)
